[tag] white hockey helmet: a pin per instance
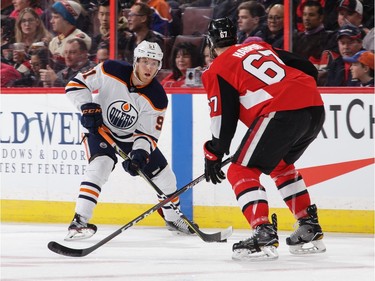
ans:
(149, 50)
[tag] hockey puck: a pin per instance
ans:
(223, 241)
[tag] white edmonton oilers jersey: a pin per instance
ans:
(133, 114)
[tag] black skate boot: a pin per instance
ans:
(180, 227)
(308, 231)
(80, 229)
(261, 245)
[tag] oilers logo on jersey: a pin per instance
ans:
(122, 115)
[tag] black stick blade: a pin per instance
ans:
(65, 251)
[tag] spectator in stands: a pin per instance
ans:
(19, 5)
(207, 59)
(64, 16)
(102, 54)
(184, 55)
(20, 59)
(7, 54)
(299, 6)
(362, 68)
(274, 30)
(39, 59)
(30, 29)
(350, 12)
(162, 18)
(139, 23)
(251, 18)
(83, 22)
(349, 40)
(76, 60)
(315, 39)
(103, 36)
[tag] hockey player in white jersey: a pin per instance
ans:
(131, 104)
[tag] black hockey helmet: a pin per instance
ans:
(221, 33)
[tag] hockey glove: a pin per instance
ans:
(212, 164)
(139, 158)
(92, 117)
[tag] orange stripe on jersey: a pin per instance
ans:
(75, 84)
(153, 143)
(114, 77)
(85, 145)
(175, 200)
(96, 194)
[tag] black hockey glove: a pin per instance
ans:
(139, 158)
(92, 117)
(212, 164)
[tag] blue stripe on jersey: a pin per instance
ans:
(182, 145)
(92, 185)
(87, 198)
(79, 82)
(142, 133)
(154, 92)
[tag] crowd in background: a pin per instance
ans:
(44, 43)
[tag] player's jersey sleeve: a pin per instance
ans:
(79, 89)
(223, 118)
(298, 62)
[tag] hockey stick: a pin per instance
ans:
(215, 237)
(66, 251)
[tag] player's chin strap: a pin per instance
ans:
(102, 131)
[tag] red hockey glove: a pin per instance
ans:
(92, 117)
(212, 164)
(139, 158)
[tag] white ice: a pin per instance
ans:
(150, 253)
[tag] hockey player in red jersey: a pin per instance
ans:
(131, 103)
(284, 113)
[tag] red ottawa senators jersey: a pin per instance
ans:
(250, 80)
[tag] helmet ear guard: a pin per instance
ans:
(211, 47)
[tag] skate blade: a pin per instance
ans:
(314, 247)
(268, 253)
(80, 234)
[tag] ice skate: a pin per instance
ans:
(262, 245)
(80, 229)
(307, 239)
(179, 227)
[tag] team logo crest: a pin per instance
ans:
(103, 145)
(122, 115)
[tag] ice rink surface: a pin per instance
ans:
(149, 254)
